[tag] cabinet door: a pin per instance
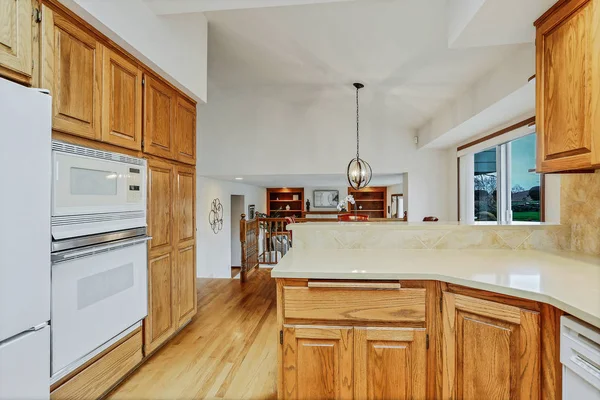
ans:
(390, 363)
(160, 324)
(185, 228)
(568, 75)
(121, 101)
(159, 118)
(16, 39)
(185, 131)
(489, 350)
(72, 71)
(317, 362)
(160, 207)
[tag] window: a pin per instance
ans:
(502, 184)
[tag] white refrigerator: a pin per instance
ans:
(25, 177)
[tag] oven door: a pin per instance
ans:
(97, 293)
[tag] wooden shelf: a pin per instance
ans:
(278, 196)
(374, 200)
(283, 201)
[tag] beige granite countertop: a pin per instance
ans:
(564, 280)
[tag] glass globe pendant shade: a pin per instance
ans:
(358, 173)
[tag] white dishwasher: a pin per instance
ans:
(580, 357)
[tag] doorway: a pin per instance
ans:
(237, 209)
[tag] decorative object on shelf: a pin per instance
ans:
(326, 198)
(360, 207)
(215, 217)
(251, 211)
(307, 204)
(295, 197)
(343, 206)
(359, 171)
(287, 207)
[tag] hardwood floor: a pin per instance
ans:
(228, 351)
(235, 271)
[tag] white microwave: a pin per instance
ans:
(95, 191)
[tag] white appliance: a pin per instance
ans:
(580, 357)
(98, 292)
(95, 191)
(25, 129)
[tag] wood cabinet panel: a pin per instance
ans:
(489, 350)
(16, 40)
(122, 101)
(96, 379)
(185, 205)
(400, 305)
(567, 72)
(317, 362)
(159, 118)
(72, 71)
(185, 131)
(160, 206)
(186, 284)
(389, 363)
(159, 325)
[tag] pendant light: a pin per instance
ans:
(359, 171)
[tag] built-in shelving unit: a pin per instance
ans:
(373, 201)
(279, 198)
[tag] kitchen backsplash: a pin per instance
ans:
(580, 210)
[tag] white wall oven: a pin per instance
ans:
(99, 252)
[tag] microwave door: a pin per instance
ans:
(85, 185)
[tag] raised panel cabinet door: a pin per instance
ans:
(185, 204)
(390, 363)
(159, 325)
(489, 350)
(317, 362)
(16, 39)
(121, 101)
(185, 131)
(160, 207)
(72, 71)
(567, 73)
(186, 284)
(159, 118)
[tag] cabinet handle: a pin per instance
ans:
(355, 285)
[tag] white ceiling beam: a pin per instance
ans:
(167, 7)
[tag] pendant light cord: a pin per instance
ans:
(357, 138)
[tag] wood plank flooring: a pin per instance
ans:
(228, 351)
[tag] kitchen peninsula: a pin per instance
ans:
(401, 310)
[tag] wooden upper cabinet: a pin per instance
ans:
(185, 131)
(568, 86)
(121, 101)
(317, 362)
(489, 350)
(185, 192)
(159, 118)
(16, 39)
(72, 71)
(390, 363)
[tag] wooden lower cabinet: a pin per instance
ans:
(489, 350)
(390, 363)
(317, 362)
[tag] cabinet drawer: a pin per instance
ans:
(354, 301)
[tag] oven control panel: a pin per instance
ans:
(134, 185)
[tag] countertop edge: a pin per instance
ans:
(541, 297)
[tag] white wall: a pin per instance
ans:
(237, 208)
(175, 44)
(264, 132)
(213, 254)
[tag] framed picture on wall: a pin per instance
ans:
(326, 198)
(251, 211)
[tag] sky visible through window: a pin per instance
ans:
(523, 160)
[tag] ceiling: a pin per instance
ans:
(310, 180)
(170, 7)
(399, 48)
